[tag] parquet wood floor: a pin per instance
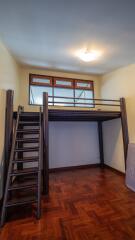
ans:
(88, 204)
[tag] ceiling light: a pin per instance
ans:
(88, 56)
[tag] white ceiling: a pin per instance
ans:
(46, 33)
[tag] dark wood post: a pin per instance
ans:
(124, 127)
(100, 137)
(8, 130)
(20, 154)
(45, 145)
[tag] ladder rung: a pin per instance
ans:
(26, 160)
(23, 185)
(27, 149)
(25, 171)
(23, 201)
(28, 140)
(29, 114)
(28, 123)
(28, 131)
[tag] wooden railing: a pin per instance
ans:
(82, 102)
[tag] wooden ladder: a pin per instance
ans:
(23, 185)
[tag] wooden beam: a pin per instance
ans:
(100, 137)
(45, 145)
(124, 127)
(8, 130)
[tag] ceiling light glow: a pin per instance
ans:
(88, 56)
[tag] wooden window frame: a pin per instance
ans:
(31, 76)
(53, 84)
(84, 88)
(61, 85)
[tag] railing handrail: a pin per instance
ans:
(81, 101)
(87, 104)
(95, 99)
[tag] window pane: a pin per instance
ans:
(36, 94)
(85, 84)
(41, 80)
(64, 83)
(63, 92)
(83, 94)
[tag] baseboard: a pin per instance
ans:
(115, 170)
(52, 170)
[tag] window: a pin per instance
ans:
(61, 91)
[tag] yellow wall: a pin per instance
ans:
(24, 83)
(2, 133)
(121, 83)
(9, 73)
(9, 79)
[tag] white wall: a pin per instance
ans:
(73, 144)
(120, 83)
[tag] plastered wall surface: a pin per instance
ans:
(73, 144)
(120, 83)
(9, 79)
(9, 73)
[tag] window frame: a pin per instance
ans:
(61, 85)
(84, 88)
(53, 85)
(31, 76)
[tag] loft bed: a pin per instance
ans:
(72, 113)
(84, 115)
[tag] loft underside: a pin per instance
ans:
(78, 115)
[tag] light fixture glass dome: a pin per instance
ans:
(89, 56)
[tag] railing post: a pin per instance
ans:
(8, 130)
(124, 127)
(45, 145)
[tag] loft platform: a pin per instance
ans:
(82, 115)
(77, 115)
(80, 109)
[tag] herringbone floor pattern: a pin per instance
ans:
(91, 204)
